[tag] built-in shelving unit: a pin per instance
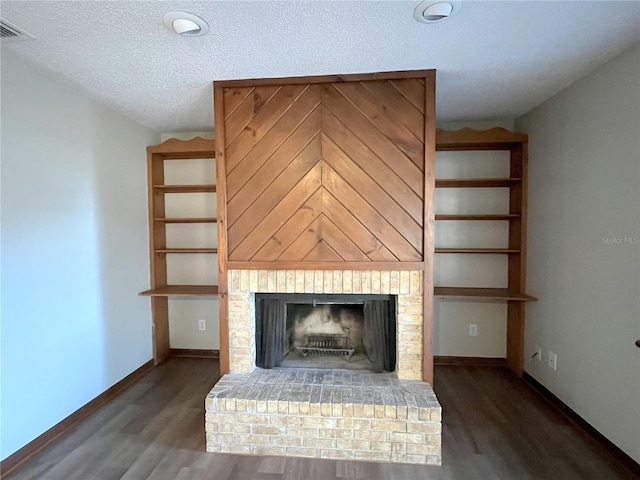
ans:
(516, 183)
(173, 149)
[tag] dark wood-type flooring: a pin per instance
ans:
(495, 427)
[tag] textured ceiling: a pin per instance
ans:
(494, 59)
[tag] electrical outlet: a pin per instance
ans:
(473, 330)
(539, 353)
(202, 325)
(553, 360)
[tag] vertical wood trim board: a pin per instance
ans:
(221, 198)
(429, 225)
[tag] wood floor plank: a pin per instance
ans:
(495, 426)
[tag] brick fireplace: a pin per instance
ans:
(325, 187)
(407, 285)
(392, 417)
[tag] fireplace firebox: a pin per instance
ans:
(355, 332)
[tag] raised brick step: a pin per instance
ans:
(316, 413)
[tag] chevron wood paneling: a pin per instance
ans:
(326, 172)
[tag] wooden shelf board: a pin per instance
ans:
(187, 220)
(506, 216)
(187, 250)
(482, 293)
(186, 188)
(182, 291)
(475, 182)
(476, 250)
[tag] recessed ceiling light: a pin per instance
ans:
(431, 11)
(186, 24)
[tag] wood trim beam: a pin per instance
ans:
(250, 265)
(470, 139)
(358, 77)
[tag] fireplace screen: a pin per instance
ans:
(326, 331)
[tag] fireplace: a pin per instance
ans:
(352, 332)
(319, 405)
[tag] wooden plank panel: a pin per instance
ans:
(388, 125)
(261, 124)
(396, 103)
(362, 128)
(234, 97)
(292, 228)
(302, 245)
(342, 245)
(272, 140)
(247, 110)
(412, 90)
(374, 166)
(279, 187)
(302, 146)
(351, 226)
(369, 217)
(370, 191)
(245, 248)
(322, 253)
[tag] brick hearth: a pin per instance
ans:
(337, 414)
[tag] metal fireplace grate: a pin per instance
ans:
(334, 345)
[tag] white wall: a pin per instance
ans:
(452, 317)
(74, 252)
(584, 148)
(192, 269)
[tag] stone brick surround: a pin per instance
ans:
(338, 414)
(407, 285)
(318, 413)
